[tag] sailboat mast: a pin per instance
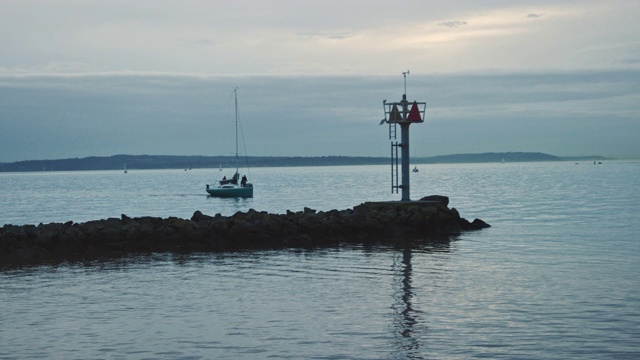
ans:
(235, 93)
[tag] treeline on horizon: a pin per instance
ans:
(116, 162)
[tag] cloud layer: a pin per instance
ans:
(74, 116)
(315, 37)
(104, 77)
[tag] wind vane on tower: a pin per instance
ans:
(405, 81)
(398, 113)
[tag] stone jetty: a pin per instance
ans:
(368, 223)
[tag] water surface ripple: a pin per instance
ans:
(555, 277)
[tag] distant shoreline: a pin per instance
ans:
(131, 162)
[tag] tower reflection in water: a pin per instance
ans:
(410, 324)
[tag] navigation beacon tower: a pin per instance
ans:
(399, 113)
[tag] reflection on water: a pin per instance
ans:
(232, 204)
(406, 318)
(218, 304)
(405, 314)
(554, 278)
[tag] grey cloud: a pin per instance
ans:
(75, 116)
(326, 35)
(453, 24)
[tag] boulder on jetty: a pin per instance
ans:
(370, 222)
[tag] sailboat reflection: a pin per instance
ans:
(407, 322)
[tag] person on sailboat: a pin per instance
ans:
(244, 180)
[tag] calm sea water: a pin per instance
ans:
(557, 275)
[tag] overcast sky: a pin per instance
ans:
(104, 77)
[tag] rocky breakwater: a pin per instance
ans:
(371, 222)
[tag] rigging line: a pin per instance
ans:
(244, 144)
(223, 143)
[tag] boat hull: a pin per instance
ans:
(230, 192)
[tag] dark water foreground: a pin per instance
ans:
(371, 222)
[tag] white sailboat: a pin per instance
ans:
(233, 187)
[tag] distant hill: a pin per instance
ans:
(116, 162)
(499, 157)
